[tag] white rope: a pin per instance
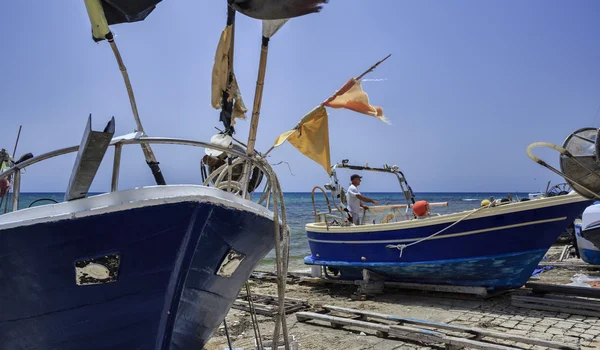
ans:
(401, 247)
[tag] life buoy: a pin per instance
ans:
(421, 208)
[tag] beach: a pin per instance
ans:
(495, 314)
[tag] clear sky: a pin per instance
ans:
(469, 85)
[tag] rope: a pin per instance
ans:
(282, 240)
(401, 247)
(227, 334)
(254, 319)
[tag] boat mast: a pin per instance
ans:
(100, 32)
(270, 27)
(226, 115)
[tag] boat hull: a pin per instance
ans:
(497, 250)
(588, 252)
(174, 265)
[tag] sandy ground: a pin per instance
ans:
(495, 312)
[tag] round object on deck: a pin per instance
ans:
(485, 203)
(421, 208)
(222, 140)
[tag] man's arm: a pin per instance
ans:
(366, 199)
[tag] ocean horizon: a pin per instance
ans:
(299, 208)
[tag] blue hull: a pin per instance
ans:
(587, 250)
(495, 252)
(163, 292)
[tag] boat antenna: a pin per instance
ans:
(17, 141)
(100, 31)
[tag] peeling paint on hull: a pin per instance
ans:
(167, 294)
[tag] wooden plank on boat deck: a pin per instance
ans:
(456, 328)
(577, 304)
(562, 289)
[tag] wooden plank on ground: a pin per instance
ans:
(398, 331)
(403, 332)
(480, 291)
(561, 302)
(457, 328)
(566, 310)
(570, 265)
(563, 289)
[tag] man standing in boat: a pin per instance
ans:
(355, 198)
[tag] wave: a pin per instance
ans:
(469, 199)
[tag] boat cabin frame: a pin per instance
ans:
(338, 193)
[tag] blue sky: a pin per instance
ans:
(469, 85)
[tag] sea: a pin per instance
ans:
(299, 208)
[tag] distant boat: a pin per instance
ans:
(495, 247)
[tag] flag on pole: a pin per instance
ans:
(220, 75)
(311, 137)
(351, 96)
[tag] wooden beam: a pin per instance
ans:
(568, 310)
(403, 332)
(572, 303)
(457, 328)
(562, 289)
(570, 265)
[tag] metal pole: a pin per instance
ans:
(260, 83)
(17, 142)
(114, 186)
(16, 190)
(148, 154)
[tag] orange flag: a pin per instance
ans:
(351, 96)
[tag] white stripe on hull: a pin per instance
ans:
(466, 233)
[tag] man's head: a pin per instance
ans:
(355, 179)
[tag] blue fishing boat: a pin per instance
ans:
(496, 246)
(152, 267)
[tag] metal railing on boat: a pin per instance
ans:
(221, 178)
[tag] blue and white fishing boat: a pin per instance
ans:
(496, 246)
(153, 267)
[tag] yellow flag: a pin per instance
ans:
(220, 71)
(311, 137)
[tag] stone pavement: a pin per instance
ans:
(546, 325)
